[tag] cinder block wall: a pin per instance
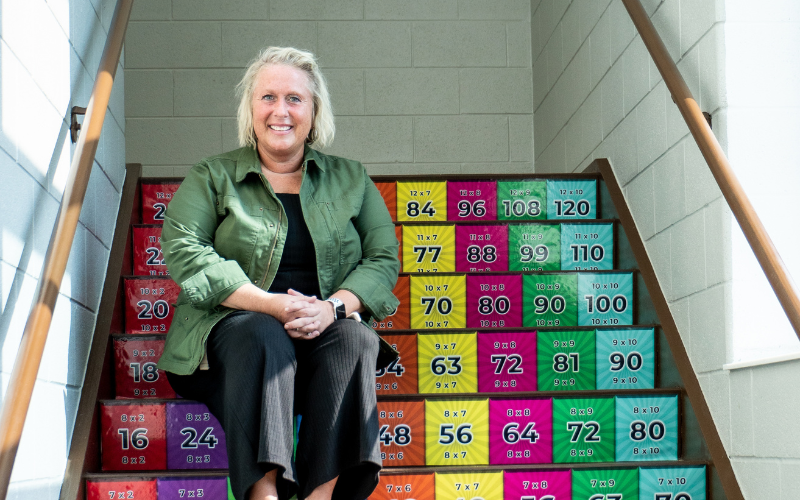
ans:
(597, 94)
(49, 54)
(418, 86)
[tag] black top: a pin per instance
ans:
(298, 267)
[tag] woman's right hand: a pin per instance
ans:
(298, 309)
(295, 307)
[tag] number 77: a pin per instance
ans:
(422, 250)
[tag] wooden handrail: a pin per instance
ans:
(29, 356)
(669, 327)
(765, 251)
(77, 462)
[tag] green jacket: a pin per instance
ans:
(225, 227)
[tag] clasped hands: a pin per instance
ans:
(303, 316)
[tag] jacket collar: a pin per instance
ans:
(248, 161)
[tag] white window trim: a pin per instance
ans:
(761, 361)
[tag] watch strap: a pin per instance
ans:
(339, 310)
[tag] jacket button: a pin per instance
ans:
(186, 318)
(262, 209)
(272, 225)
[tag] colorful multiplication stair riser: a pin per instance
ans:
(457, 432)
(178, 488)
(534, 247)
(471, 200)
(388, 191)
(566, 360)
(135, 372)
(583, 430)
(481, 248)
(542, 485)
(587, 247)
(673, 483)
(550, 300)
(422, 201)
(400, 319)
(402, 433)
(521, 200)
(155, 199)
(571, 199)
(438, 302)
(605, 299)
(134, 436)
(626, 358)
(607, 484)
(507, 362)
(404, 487)
(195, 439)
(470, 486)
(429, 249)
(400, 376)
(448, 362)
(121, 490)
(494, 301)
(647, 428)
(520, 431)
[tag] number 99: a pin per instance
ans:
(528, 253)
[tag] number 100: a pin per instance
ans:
(603, 303)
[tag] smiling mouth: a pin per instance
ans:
(280, 128)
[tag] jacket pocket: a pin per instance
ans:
(240, 230)
(342, 212)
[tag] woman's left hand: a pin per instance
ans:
(313, 320)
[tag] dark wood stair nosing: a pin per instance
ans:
(392, 471)
(495, 222)
(584, 394)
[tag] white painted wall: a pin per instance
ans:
(762, 42)
(597, 94)
(49, 54)
(418, 86)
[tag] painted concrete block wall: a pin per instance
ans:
(763, 72)
(597, 94)
(418, 86)
(763, 45)
(49, 54)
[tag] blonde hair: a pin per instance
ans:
(322, 127)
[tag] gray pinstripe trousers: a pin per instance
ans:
(259, 378)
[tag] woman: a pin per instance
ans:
(256, 238)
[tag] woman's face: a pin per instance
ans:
(282, 111)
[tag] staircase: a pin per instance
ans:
(532, 366)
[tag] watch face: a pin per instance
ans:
(338, 308)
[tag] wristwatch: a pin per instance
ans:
(338, 308)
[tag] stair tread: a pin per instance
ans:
(597, 393)
(411, 470)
